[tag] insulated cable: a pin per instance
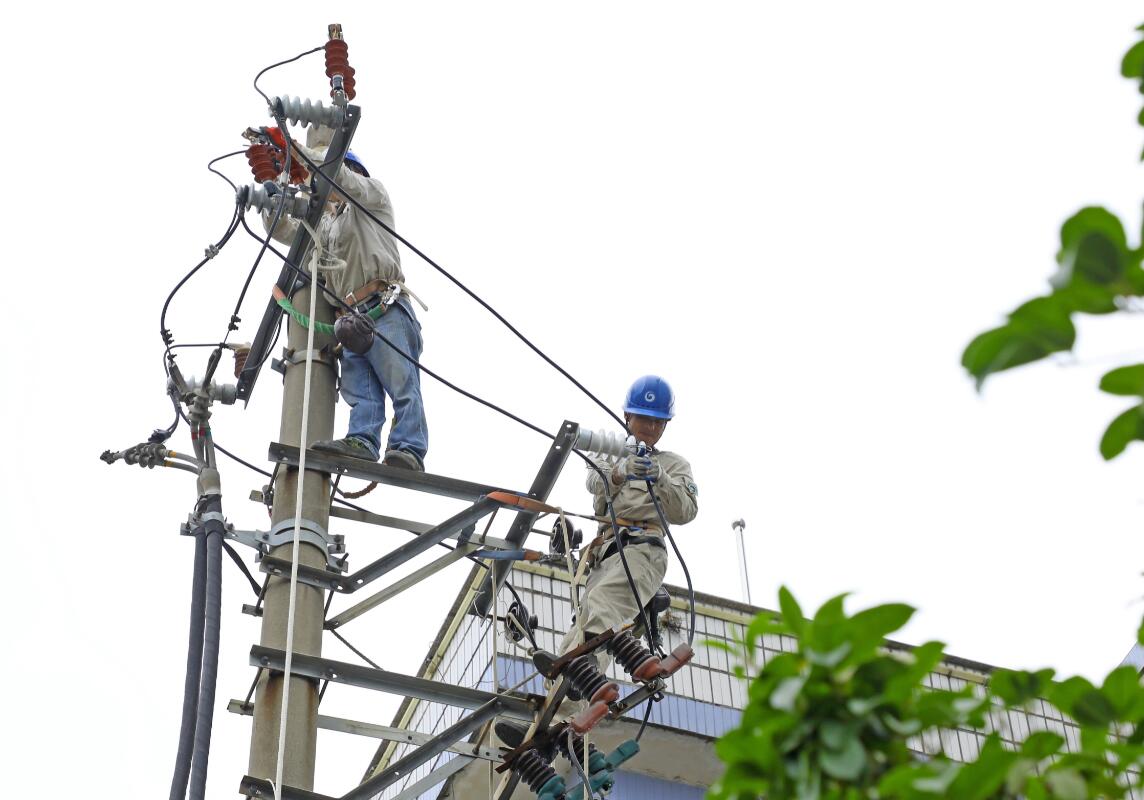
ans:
(211, 252)
(475, 398)
(515, 418)
(682, 563)
(213, 161)
(234, 318)
(279, 64)
(458, 283)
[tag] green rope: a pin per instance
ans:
(322, 327)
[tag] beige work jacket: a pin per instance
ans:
(676, 490)
(369, 251)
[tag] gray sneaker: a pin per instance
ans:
(349, 446)
(403, 459)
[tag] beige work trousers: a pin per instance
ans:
(607, 600)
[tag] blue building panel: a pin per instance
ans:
(633, 786)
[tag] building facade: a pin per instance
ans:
(677, 758)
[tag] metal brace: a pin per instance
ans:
(291, 358)
(283, 533)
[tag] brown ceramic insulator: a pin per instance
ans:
(261, 158)
(337, 63)
(298, 173)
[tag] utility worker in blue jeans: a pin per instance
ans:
(371, 277)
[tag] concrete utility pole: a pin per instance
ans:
(302, 713)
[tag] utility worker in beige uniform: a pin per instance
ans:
(369, 275)
(608, 600)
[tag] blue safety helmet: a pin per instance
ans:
(352, 159)
(651, 396)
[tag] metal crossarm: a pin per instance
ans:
(392, 476)
(442, 742)
(541, 486)
(389, 592)
(374, 731)
(457, 524)
(442, 773)
(392, 682)
(431, 749)
(263, 340)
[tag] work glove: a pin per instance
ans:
(637, 468)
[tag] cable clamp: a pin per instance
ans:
(295, 357)
(309, 532)
(211, 251)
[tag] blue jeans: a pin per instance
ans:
(367, 379)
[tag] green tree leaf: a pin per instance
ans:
(1132, 66)
(792, 613)
(1123, 690)
(1124, 381)
(1017, 687)
(1036, 329)
(1041, 744)
(1126, 428)
(1067, 784)
(1094, 249)
(872, 625)
(846, 763)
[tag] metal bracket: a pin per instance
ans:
(309, 532)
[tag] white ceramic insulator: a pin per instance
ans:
(296, 205)
(604, 443)
(304, 112)
(224, 393)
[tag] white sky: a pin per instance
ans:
(799, 214)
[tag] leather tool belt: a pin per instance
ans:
(371, 295)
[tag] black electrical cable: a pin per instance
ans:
(279, 64)
(475, 398)
(359, 653)
(646, 717)
(620, 545)
(182, 772)
(303, 275)
(209, 679)
(212, 251)
(233, 457)
(417, 363)
(234, 318)
(682, 563)
(213, 161)
(237, 559)
(463, 288)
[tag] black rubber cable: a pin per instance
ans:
(232, 325)
(213, 161)
(314, 167)
(237, 559)
(682, 563)
(168, 339)
(646, 717)
(209, 679)
(279, 64)
(471, 396)
(194, 671)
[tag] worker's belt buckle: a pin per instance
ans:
(371, 302)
